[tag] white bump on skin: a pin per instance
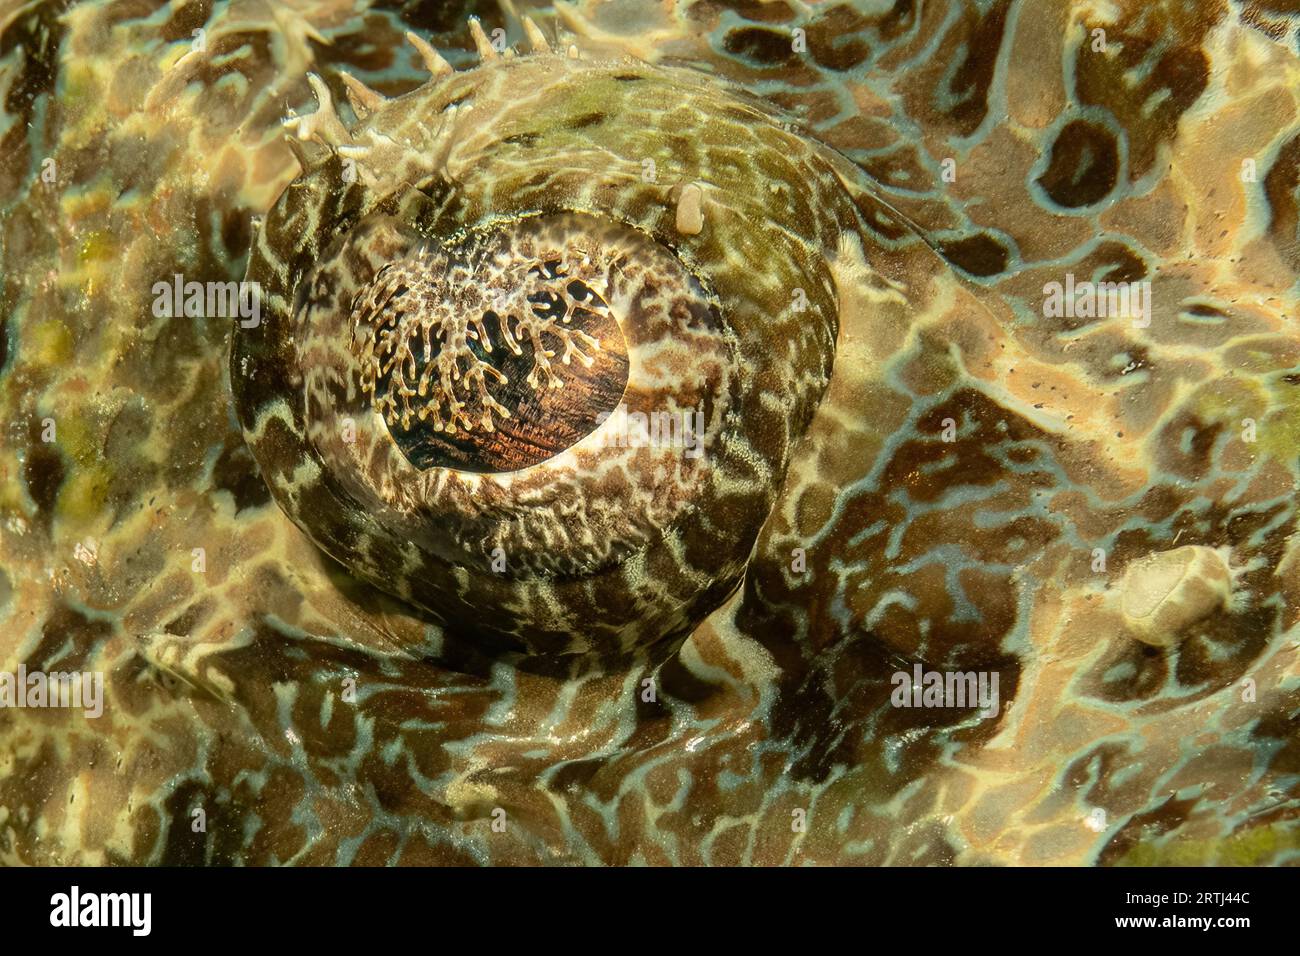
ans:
(1162, 594)
(690, 210)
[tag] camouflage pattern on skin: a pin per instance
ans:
(224, 688)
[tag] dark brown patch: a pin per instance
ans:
(523, 139)
(43, 473)
(586, 120)
(900, 168)
(185, 20)
(961, 95)
(1194, 461)
(435, 16)
(835, 39)
(1161, 46)
(236, 472)
(1202, 310)
(1116, 262)
(221, 839)
(1282, 187)
(877, 218)
(185, 622)
(69, 640)
(758, 11)
(32, 40)
(1084, 165)
(760, 45)
(979, 255)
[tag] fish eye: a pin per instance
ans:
(502, 369)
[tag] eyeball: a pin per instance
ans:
(509, 378)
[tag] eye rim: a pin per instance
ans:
(413, 498)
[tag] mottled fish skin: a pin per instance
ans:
(945, 505)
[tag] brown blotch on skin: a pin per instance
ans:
(183, 624)
(38, 33)
(1084, 165)
(959, 98)
(878, 218)
(588, 119)
(760, 45)
(237, 473)
(523, 139)
(980, 255)
(69, 640)
(1177, 80)
(1147, 827)
(43, 473)
(1195, 462)
(1282, 187)
(184, 22)
(900, 168)
(1124, 265)
(834, 39)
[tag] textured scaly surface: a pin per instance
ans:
(1171, 155)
